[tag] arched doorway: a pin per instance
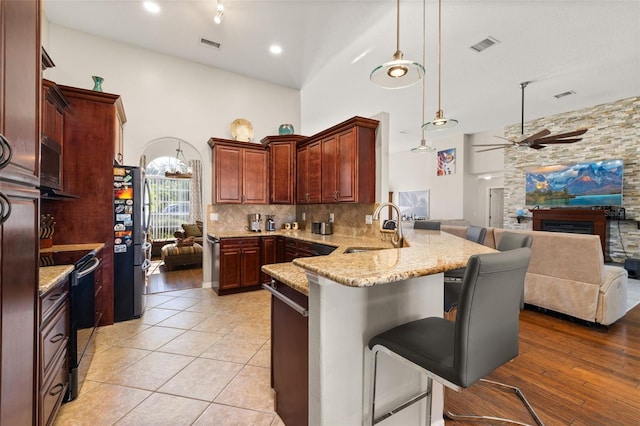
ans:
(174, 176)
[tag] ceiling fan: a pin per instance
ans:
(538, 140)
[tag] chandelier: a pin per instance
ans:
(178, 169)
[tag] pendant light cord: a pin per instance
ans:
(398, 26)
(424, 58)
(439, 53)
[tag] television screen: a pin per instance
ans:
(592, 183)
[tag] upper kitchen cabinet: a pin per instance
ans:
(240, 172)
(53, 107)
(309, 173)
(347, 161)
(282, 167)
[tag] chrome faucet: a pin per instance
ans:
(397, 237)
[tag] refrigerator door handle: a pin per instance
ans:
(146, 264)
(146, 220)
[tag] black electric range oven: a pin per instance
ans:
(83, 317)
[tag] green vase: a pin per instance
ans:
(97, 83)
(285, 129)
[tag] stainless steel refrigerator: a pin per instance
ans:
(130, 245)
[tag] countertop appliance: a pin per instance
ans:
(254, 222)
(130, 246)
(84, 316)
(322, 228)
(271, 224)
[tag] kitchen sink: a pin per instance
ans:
(361, 249)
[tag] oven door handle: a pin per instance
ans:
(89, 267)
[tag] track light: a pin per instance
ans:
(218, 18)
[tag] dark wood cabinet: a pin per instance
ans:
(290, 357)
(53, 362)
(240, 263)
(240, 172)
(19, 175)
(294, 248)
(282, 168)
(338, 164)
(92, 130)
(309, 181)
(269, 255)
(53, 107)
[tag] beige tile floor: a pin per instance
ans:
(192, 359)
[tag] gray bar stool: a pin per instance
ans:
(458, 354)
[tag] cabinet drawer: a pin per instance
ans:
(50, 300)
(53, 390)
(53, 337)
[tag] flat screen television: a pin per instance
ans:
(591, 183)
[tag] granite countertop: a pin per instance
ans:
(52, 275)
(424, 253)
(73, 247)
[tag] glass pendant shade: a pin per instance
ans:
(440, 122)
(423, 148)
(398, 73)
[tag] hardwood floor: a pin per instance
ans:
(182, 278)
(572, 374)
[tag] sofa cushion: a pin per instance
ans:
(192, 230)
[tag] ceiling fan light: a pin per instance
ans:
(218, 18)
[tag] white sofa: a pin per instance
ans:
(567, 274)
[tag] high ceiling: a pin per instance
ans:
(589, 47)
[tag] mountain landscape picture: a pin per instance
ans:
(592, 183)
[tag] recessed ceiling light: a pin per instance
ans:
(275, 49)
(151, 6)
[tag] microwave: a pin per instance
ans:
(50, 163)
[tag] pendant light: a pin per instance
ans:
(423, 147)
(180, 170)
(399, 72)
(440, 122)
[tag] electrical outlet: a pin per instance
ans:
(368, 219)
(213, 216)
(331, 217)
(304, 216)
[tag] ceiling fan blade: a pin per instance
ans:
(535, 137)
(494, 144)
(564, 135)
(502, 137)
(559, 141)
(536, 146)
(494, 148)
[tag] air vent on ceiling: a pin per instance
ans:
(562, 95)
(482, 45)
(209, 43)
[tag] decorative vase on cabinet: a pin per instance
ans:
(285, 129)
(97, 83)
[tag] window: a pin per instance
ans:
(169, 199)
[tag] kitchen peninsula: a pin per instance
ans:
(355, 294)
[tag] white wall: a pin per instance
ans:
(413, 172)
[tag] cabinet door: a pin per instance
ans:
(230, 266)
(255, 172)
(315, 173)
(302, 184)
(251, 265)
(269, 255)
(228, 164)
(20, 92)
(329, 152)
(18, 284)
(282, 172)
(346, 166)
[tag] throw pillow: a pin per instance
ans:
(184, 242)
(191, 229)
(200, 225)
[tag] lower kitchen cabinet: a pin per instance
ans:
(239, 265)
(54, 359)
(290, 356)
(296, 248)
(269, 255)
